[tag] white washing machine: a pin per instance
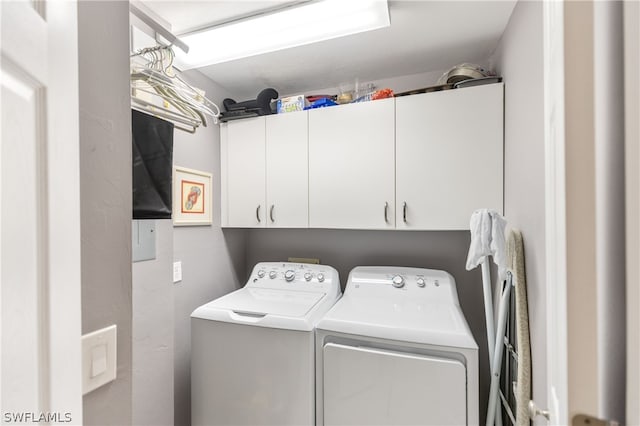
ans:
(252, 351)
(396, 350)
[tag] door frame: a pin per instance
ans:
(64, 215)
(555, 213)
(575, 225)
(631, 16)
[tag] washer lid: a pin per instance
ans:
(267, 307)
(267, 301)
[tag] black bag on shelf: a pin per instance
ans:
(261, 105)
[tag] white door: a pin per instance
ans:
(555, 217)
(365, 386)
(351, 166)
(40, 357)
(449, 156)
(287, 170)
(244, 147)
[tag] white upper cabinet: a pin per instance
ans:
(421, 162)
(449, 157)
(351, 166)
(243, 173)
(287, 170)
(264, 172)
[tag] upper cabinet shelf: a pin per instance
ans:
(421, 162)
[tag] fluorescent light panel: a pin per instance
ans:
(310, 23)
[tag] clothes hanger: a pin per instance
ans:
(155, 78)
(165, 97)
(193, 96)
(169, 115)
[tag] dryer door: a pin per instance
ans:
(365, 386)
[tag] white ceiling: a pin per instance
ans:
(424, 36)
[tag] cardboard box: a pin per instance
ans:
(291, 104)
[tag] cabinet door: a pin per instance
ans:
(287, 170)
(449, 156)
(351, 166)
(243, 151)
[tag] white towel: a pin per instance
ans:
(487, 239)
(480, 247)
(498, 244)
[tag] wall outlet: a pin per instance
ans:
(177, 271)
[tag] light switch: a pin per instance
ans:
(177, 271)
(98, 358)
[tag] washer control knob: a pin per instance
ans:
(289, 275)
(308, 276)
(397, 281)
(420, 282)
(261, 273)
(321, 277)
(273, 274)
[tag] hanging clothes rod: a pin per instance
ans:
(157, 27)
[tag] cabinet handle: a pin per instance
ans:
(404, 212)
(271, 213)
(386, 207)
(258, 213)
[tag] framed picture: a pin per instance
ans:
(192, 196)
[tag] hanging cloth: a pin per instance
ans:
(152, 166)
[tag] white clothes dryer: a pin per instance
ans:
(396, 350)
(252, 351)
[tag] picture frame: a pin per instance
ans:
(192, 197)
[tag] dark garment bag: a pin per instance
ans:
(152, 166)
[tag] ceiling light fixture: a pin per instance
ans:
(311, 22)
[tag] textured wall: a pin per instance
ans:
(105, 194)
(153, 333)
(519, 59)
(212, 260)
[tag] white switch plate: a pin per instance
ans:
(98, 358)
(177, 271)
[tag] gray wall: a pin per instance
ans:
(153, 338)
(212, 264)
(519, 59)
(345, 249)
(105, 194)
(212, 260)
